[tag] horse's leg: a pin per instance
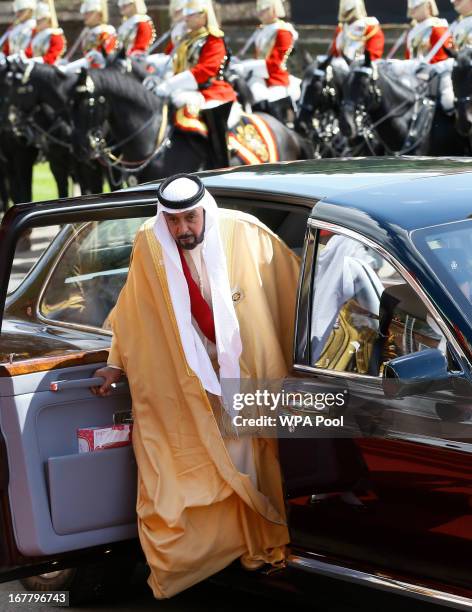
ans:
(3, 189)
(90, 176)
(60, 169)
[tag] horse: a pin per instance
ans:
(462, 85)
(109, 104)
(319, 105)
(17, 156)
(40, 96)
(403, 118)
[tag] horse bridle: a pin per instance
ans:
(95, 137)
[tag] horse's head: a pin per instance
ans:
(462, 84)
(319, 93)
(361, 95)
(89, 113)
(24, 96)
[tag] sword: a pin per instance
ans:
(247, 44)
(161, 40)
(75, 46)
(440, 42)
(4, 37)
(396, 45)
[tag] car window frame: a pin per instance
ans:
(315, 226)
(117, 205)
(44, 288)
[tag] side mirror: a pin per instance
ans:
(416, 373)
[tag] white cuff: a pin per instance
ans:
(181, 81)
(258, 67)
(75, 66)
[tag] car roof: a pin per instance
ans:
(409, 192)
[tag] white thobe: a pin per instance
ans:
(240, 449)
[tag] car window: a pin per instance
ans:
(28, 252)
(288, 222)
(89, 273)
(363, 311)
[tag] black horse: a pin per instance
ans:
(39, 97)
(110, 106)
(319, 106)
(17, 156)
(406, 120)
(462, 84)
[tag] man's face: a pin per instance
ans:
(195, 21)
(463, 7)
(23, 15)
(92, 18)
(42, 24)
(187, 228)
(128, 10)
(266, 16)
(421, 12)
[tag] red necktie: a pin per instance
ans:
(199, 307)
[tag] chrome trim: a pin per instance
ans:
(380, 582)
(464, 447)
(41, 317)
(401, 270)
(336, 374)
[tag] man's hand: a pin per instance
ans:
(111, 375)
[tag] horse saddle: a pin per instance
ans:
(249, 137)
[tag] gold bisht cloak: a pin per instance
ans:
(196, 513)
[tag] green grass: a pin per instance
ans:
(44, 185)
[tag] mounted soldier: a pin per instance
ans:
(198, 89)
(426, 31)
(427, 42)
(49, 43)
(137, 32)
(273, 88)
(161, 63)
(357, 33)
(17, 38)
(98, 38)
(462, 28)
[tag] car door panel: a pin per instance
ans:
(61, 500)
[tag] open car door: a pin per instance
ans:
(61, 508)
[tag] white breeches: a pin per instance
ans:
(196, 101)
(261, 91)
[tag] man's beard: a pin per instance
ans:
(190, 244)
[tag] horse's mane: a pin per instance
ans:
(50, 75)
(51, 79)
(123, 87)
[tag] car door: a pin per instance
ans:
(61, 507)
(389, 492)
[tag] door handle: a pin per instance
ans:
(83, 383)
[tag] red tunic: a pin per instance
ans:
(374, 42)
(437, 32)
(57, 45)
(143, 39)
(209, 69)
(276, 60)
